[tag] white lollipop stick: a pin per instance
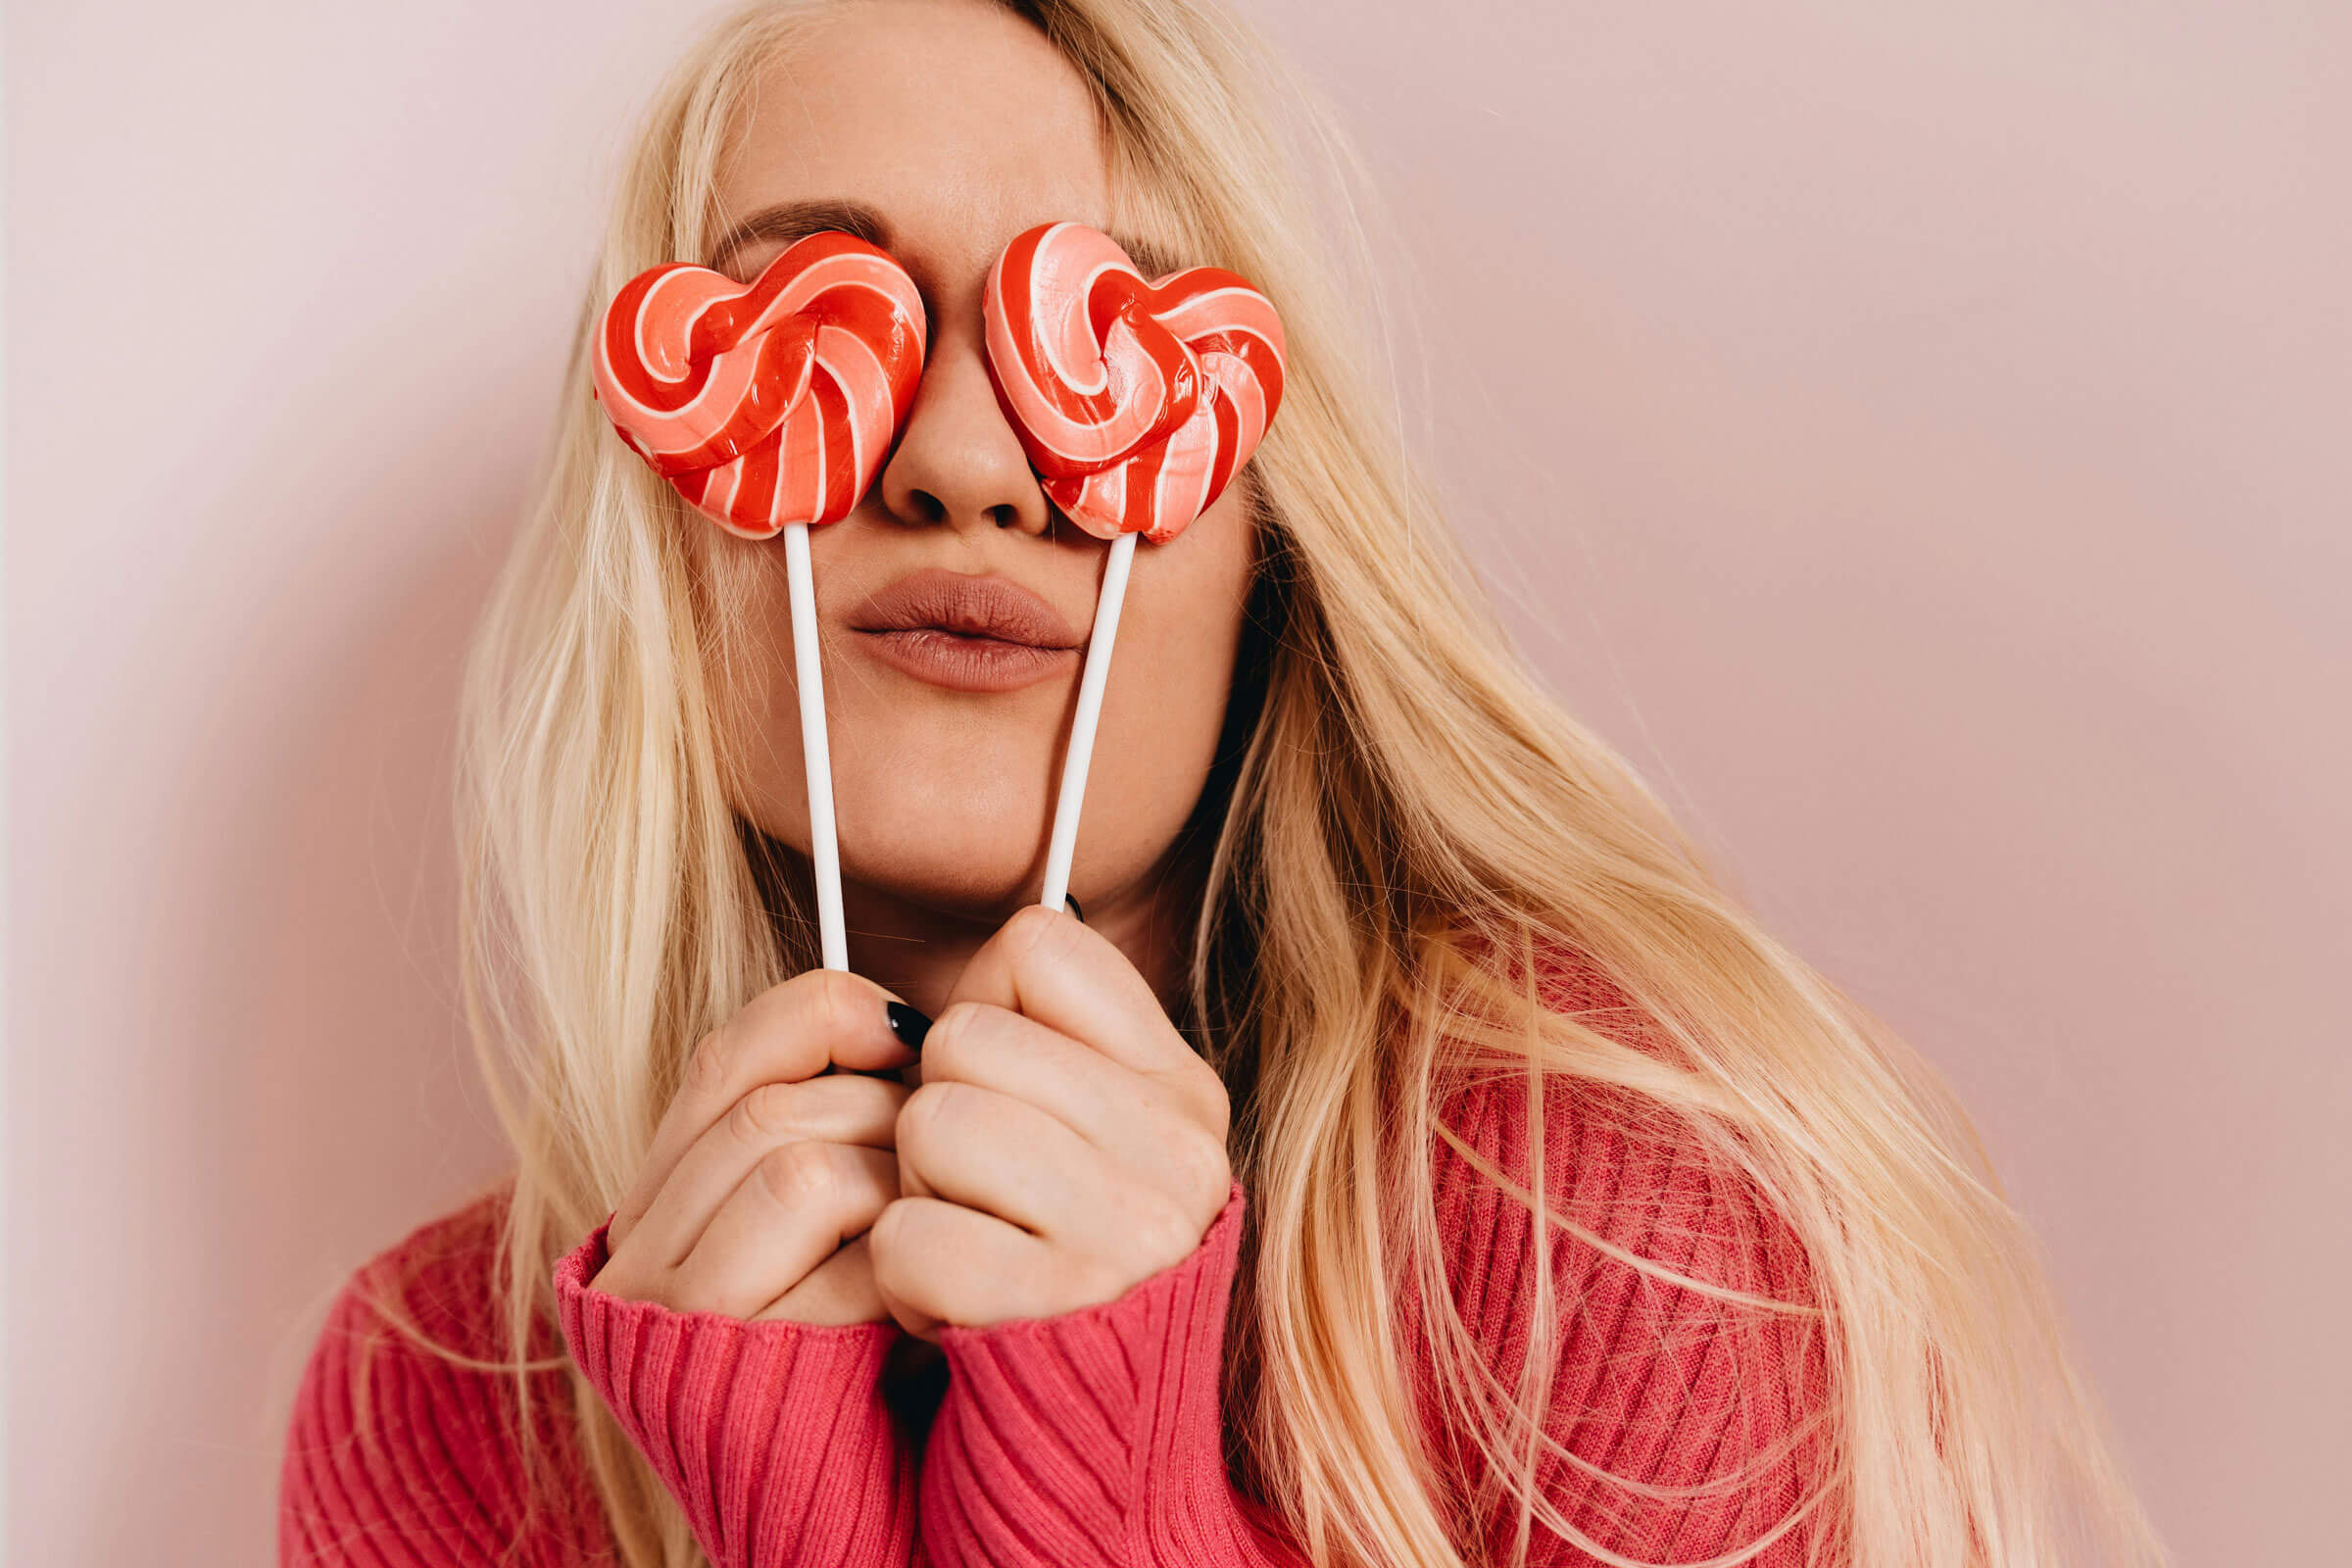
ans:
(1091, 681)
(824, 843)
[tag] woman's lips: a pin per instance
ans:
(968, 633)
(969, 664)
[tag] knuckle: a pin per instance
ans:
(1202, 1167)
(707, 1069)
(1038, 932)
(800, 1174)
(920, 1115)
(958, 1023)
(886, 1247)
(1214, 1097)
(765, 1114)
(1162, 1235)
(837, 1002)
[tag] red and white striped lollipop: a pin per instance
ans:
(1137, 403)
(770, 406)
(768, 402)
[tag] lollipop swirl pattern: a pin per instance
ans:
(1136, 402)
(772, 402)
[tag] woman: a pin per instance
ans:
(1411, 1157)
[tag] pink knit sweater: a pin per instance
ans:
(1092, 1439)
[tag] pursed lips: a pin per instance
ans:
(967, 632)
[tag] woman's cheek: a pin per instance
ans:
(1166, 707)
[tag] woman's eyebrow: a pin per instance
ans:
(791, 220)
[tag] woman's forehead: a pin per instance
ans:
(949, 123)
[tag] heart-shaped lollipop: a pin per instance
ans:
(770, 406)
(769, 403)
(1136, 402)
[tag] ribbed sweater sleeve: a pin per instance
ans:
(1092, 1439)
(1093, 1436)
(1676, 1427)
(773, 1436)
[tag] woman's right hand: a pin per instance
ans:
(769, 1168)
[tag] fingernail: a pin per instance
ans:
(1074, 909)
(909, 1024)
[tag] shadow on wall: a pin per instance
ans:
(324, 1098)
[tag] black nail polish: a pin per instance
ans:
(1074, 909)
(907, 1023)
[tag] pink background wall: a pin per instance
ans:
(1922, 443)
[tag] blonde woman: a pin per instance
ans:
(1411, 1157)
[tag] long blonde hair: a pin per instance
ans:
(1409, 826)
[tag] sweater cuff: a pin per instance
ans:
(1094, 1437)
(773, 1436)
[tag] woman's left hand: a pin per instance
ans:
(1064, 1143)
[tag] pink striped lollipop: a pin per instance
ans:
(770, 405)
(1137, 403)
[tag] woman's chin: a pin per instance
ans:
(953, 833)
(974, 875)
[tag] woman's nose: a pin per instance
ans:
(958, 462)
